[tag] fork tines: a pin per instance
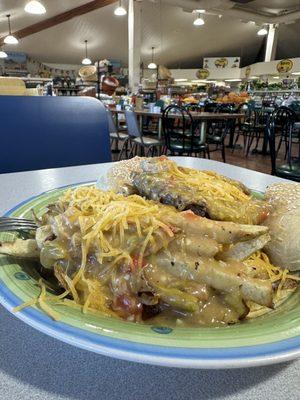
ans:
(16, 224)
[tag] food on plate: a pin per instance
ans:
(284, 225)
(142, 261)
(206, 193)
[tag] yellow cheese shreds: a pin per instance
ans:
(276, 274)
(146, 241)
(41, 301)
(71, 286)
(102, 215)
(214, 184)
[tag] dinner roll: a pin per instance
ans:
(284, 224)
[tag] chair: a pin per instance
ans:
(283, 120)
(193, 107)
(116, 137)
(218, 130)
(51, 132)
(210, 107)
(245, 125)
(181, 133)
(148, 145)
(262, 116)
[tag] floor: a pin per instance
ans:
(256, 162)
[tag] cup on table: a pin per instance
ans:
(118, 107)
(151, 107)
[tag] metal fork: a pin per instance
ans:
(16, 224)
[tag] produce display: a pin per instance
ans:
(233, 97)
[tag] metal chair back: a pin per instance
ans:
(179, 127)
(281, 124)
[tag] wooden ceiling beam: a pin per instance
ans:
(60, 18)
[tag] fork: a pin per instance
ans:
(16, 224)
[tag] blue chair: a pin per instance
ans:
(52, 132)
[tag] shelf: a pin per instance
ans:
(35, 79)
(65, 89)
(276, 91)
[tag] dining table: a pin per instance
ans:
(34, 366)
(199, 117)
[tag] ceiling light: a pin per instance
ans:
(120, 10)
(3, 54)
(152, 65)
(10, 39)
(254, 77)
(35, 7)
(275, 77)
(86, 60)
(233, 80)
(199, 11)
(295, 73)
(180, 80)
(199, 21)
(262, 32)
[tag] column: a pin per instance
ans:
(134, 44)
(271, 43)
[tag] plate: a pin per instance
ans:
(272, 338)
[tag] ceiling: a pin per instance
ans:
(169, 28)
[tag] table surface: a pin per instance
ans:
(196, 115)
(34, 366)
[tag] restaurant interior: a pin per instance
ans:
(149, 199)
(228, 68)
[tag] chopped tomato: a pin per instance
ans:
(264, 215)
(135, 263)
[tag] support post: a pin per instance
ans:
(134, 44)
(271, 46)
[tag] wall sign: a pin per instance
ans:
(213, 63)
(248, 72)
(284, 66)
(202, 73)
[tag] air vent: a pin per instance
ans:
(242, 1)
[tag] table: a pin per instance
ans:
(34, 366)
(201, 117)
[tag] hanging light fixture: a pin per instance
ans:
(2, 53)
(263, 31)
(86, 60)
(199, 19)
(35, 7)
(10, 39)
(152, 65)
(120, 10)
